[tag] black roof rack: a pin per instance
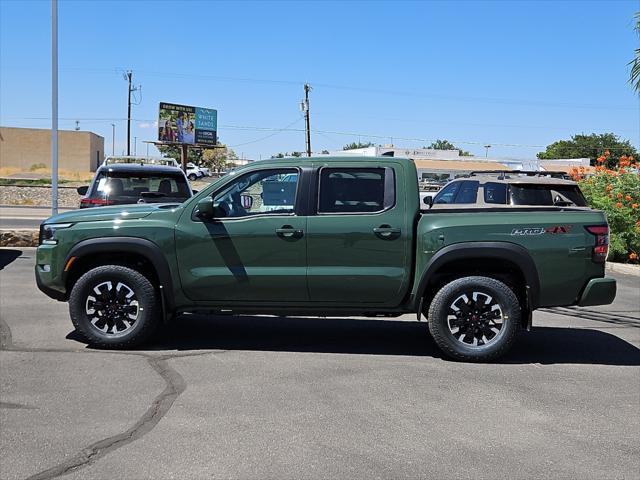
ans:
(532, 173)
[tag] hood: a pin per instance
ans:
(123, 212)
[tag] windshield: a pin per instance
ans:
(139, 187)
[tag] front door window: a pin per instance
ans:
(260, 192)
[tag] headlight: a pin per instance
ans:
(48, 232)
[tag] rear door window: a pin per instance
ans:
(356, 190)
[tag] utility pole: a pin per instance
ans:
(113, 139)
(54, 107)
(305, 107)
(135, 146)
(128, 76)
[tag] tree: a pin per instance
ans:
(218, 159)
(354, 145)
(287, 154)
(634, 75)
(590, 146)
(447, 145)
(173, 151)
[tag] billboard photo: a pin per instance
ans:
(186, 124)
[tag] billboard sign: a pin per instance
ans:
(186, 124)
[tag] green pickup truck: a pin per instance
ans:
(327, 236)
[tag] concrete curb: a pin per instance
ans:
(624, 268)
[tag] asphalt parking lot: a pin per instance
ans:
(262, 397)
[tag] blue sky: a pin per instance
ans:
(513, 74)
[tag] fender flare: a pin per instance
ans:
(512, 252)
(138, 246)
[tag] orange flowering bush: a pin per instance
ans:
(616, 191)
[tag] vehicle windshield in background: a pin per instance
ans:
(558, 195)
(118, 188)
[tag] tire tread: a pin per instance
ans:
(144, 289)
(437, 328)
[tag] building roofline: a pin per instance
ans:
(49, 130)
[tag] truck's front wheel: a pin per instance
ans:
(114, 306)
(474, 318)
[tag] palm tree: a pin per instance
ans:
(634, 77)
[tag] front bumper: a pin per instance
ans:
(599, 291)
(47, 271)
(48, 291)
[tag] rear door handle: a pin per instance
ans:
(287, 231)
(386, 231)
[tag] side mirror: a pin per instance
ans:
(247, 201)
(428, 200)
(205, 208)
(82, 190)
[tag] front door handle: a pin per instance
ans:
(287, 231)
(386, 232)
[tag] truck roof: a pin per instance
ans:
(137, 168)
(511, 177)
(515, 177)
(329, 159)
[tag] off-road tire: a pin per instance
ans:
(149, 310)
(445, 339)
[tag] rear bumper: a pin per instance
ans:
(599, 291)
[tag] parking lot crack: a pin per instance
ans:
(174, 386)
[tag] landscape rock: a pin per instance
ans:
(18, 238)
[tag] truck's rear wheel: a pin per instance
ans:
(114, 306)
(474, 318)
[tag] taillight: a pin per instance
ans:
(601, 247)
(94, 202)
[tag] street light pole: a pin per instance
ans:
(135, 146)
(486, 151)
(113, 139)
(54, 107)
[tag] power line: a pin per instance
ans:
(378, 91)
(268, 136)
(321, 132)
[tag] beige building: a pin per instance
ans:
(25, 148)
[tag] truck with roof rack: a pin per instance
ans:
(342, 236)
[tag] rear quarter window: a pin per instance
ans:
(495, 193)
(547, 195)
